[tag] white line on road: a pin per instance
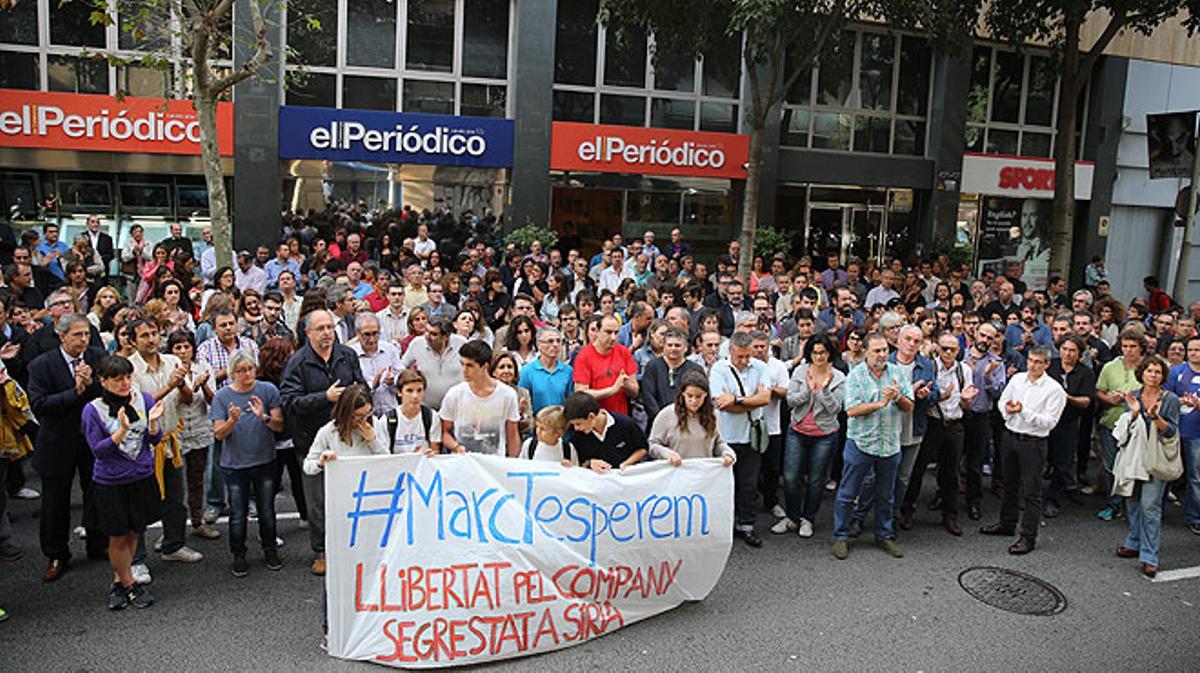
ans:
(1177, 574)
(283, 516)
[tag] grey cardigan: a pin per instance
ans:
(825, 404)
(665, 436)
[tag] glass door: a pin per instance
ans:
(865, 233)
(826, 228)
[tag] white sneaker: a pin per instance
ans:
(278, 542)
(831, 485)
(805, 528)
(778, 512)
(184, 555)
(784, 525)
(27, 493)
(141, 573)
(80, 532)
(303, 524)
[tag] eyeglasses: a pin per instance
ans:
(369, 335)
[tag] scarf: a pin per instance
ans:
(116, 403)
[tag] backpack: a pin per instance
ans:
(393, 422)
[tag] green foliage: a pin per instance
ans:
(768, 241)
(958, 254)
(528, 234)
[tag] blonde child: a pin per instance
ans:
(547, 443)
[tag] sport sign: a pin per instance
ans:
(457, 560)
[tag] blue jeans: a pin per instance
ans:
(239, 483)
(805, 470)
(899, 483)
(1108, 454)
(214, 488)
(856, 466)
(1191, 474)
(1144, 510)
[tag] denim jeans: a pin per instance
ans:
(899, 483)
(1108, 454)
(805, 470)
(1191, 475)
(1144, 510)
(214, 490)
(239, 483)
(856, 466)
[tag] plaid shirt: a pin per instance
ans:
(212, 352)
(878, 433)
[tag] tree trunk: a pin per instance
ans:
(1063, 209)
(214, 177)
(750, 201)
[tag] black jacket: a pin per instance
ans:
(59, 410)
(16, 366)
(46, 339)
(657, 392)
(306, 377)
(104, 248)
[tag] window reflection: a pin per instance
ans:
(371, 33)
(430, 35)
(485, 38)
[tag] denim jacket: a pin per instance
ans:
(922, 371)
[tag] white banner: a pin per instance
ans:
(456, 560)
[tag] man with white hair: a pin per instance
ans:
(380, 362)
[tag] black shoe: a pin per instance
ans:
(855, 527)
(998, 529)
(118, 597)
(935, 505)
(1050, 511)
(1023, 545)
(240, 568)
(973, 512)
(139, 596)
(749, 537)
(272, 558)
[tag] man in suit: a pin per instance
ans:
(46, 337)
(60, 383)
(177, 242)
(101, 242)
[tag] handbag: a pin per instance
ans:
(1163, 459)
(759, 440)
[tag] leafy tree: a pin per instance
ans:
(1059, 23)
(783, 39)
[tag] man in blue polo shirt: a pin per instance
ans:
(1184, 381)
(547, 379)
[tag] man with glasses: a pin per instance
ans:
(46, 337)
(1031, 405)
(435, 355)
(437, 306)
(380, 363)
(548, 379)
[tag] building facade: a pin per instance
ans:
(532, 109)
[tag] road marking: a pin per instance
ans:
(1177, 574)
(283, 516)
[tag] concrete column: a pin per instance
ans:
(533, 106)
(1105, 120)
(256, 184)
(946, 144)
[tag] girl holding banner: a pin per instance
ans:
(688, 428)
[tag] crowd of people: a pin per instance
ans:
(180, 391)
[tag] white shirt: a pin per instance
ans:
(1042, 403)
(610, 279)
(423, 248)
(410, 432)
(777, 377)
(253, 278)
(392, 326)
(949, 406)
(387, 356)
(480, 423)
(442, 370)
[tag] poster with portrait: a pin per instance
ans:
(1172, 144)
(1016, 231)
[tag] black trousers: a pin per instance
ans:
(1083, 446)
(174, 508)
(745, 486)
(998, 432)
(943, 442)
(772, 468)
(1024, 461)
(287, 459)
(976, 433)
(54, 527)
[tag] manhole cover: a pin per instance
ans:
(1012, 591)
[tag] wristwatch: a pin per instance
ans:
(737, 401)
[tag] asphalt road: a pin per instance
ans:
(789, 606)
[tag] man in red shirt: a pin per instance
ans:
(1160, 301)
(605, 370)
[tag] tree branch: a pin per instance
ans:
(1115, 25)
(262, 51)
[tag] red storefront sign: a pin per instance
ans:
(94, 123)
(629, 149)
(1023, 177)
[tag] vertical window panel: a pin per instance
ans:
(371, 33)
(71, 25)
(312, 28)
(1006, 94)
(575, 42)
(485, 38)
(875, 71)
(1039, 101)
(625, 59)
(794, 129)
(483, 100)
(722, 69)
(77, 75)
(20, 24)
(722, 117)
(19, 71)
(675, 73)
(912, 97)
(430, 35)
(835, 72)
(623, 110)
(669, 113)
(313, 89)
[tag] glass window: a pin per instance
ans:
(485, 39)
(1000, 141)
(314, 89)
(371, 33)
(193, 198)
(143, 81)
(20, 24)
(1006, 95)
(831, 131)
(71, 24)
(625, 110)
(85, 193)
(428, 97)
(836, 71)
(625, 59)
(723, 68)
(670, 113)
(1039, 103)
(431, 35)
(708, 210)
(19, 71)
(912, 96)
(910, 138)
(652, 207)
(77, 75)
(722, 117)
(794, 129)
(216, 71)
(484, 100)
(368, 93)
(146, 31)
(872, 134)
(574, 106)
(800, 92)
(977, 96)
(875, 72)
(145, 196)
(575, 42)
(675, 73)
(312, 32)
(1035, 144)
